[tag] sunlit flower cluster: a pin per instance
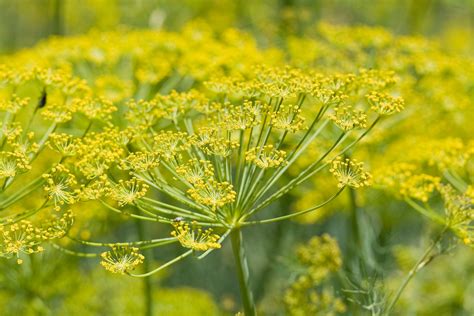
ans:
(207, 133)
(349, 173)
(195, 238)
(200, 132)
(121, 259)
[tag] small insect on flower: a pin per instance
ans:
(43, 99)
(194, 237)
(178, 219)
(349, 173)
(121, 259)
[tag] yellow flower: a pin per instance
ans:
(385, 104)
(194, 237)
(59, 186)
(196, 171)
(266, 157)
(350, 173)
(127, 192)
(20, 238)
(121, 259)
(213, 193)
(348, 119)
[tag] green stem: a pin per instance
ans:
(243, 273)
(147, 286)
(56, 21)
(33, 185)
(284, 217)
(419, 264)
(167, 264)
(140, 244)
(220, 241)
(74, 253)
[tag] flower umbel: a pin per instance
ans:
(213, 193)
(121, 259)
(194, 237)
(266, 157)
(347, 118)
(350, 173)
(20, 238)
(385, 104)
(127, 192)
(59, 186)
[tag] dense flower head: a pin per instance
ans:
(347, 119)
(14, 104)
(121, 259)
(266, 157)
(64, 144)
(60, 186)
(449, 153)
(57, 225)
(127, 192)
(24, 237)
(213, 193)
(196, 171)
(98, 108)
(98, 151)
(385, 104)
(169, 144)
(350, 173)
(194, 237)
(289, 118)
(220, 150)
(19, 238)
(321, 255)
(38, 106)
(418, 186)
(140, 161)
(13, 163)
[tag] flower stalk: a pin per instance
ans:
(417, 267)
(243, 274)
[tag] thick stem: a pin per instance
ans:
(57, 23)
(243, 273)
(147, 286)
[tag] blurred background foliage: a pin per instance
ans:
(24, 22)
(52, 284)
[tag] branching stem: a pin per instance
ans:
(243, 273)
